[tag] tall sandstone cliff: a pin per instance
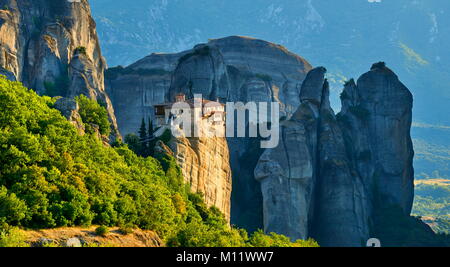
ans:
(205, 164)
(330, 172)
(52, 47)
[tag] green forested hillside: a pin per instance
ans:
(50, 176)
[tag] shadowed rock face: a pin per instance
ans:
(135, 89)
(287, 172)
(376, 119)
(230, 69)
(52, 47)
(287, 183)
(324, 178)
(342, 211)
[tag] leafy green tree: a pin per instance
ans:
(102, 230)
(143, 139)
(92, 113)
(12, 237)
(133, 142)
(12, 209)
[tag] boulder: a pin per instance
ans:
(73, 242)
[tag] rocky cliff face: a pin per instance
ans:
(230, 69)
(325, 176)
(52, 47)
(69, 108)
(286, 172)
(205, 164)
(376, 118)
(328, 172)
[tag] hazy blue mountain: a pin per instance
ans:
(346, 36)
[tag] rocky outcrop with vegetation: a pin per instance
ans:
(52, 47)
(51, 177)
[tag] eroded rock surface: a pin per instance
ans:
(287, 172)
(52, 47)
(237, 69)
(329, 172)
(376, 118)
(205, 164)
(230, 69)
(69, 108)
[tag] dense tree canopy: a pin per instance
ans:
(93, 113)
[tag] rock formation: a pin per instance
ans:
(205, 164)
(341, 214)
(328, 173)
(52, 47)
(230, 69)
(286, 172)
(324, 178)
(69, 108)
(376, 118)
